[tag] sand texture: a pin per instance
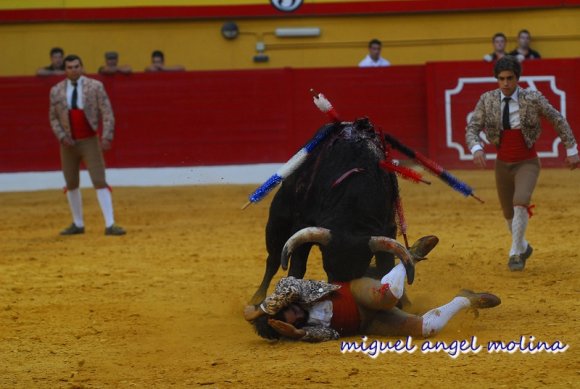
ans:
(161, 307)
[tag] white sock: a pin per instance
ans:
(396, 280)
(519, 225)
(75, 203)
(436, 319)
(106, 203)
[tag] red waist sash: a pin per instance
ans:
(345, 315)
(513, 148)
(79, 125)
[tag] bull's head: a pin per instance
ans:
(375, 244)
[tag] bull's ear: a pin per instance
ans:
(317, 235)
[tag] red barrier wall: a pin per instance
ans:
(214, 118)
(251, 116)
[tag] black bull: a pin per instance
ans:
(342, 188)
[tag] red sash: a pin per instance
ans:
(345, 315)
(79, 125)
(513, 148)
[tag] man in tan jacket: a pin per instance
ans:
(76, 105)
(511, 117)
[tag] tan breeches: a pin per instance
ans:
(87, 150)
(378, 313)
(515, 183)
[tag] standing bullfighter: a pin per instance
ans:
(511, 117)
(76, 104)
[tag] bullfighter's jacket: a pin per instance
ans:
(96, 105)
(305, 293)
(533, 106)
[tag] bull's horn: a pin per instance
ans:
(382, 243)
(317, 235)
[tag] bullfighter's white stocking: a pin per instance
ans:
(106, 203)
(75, 203)
(396, 280)
(436, 319)
(519, 225)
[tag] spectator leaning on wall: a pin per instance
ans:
(158, 64)
(524, 51)
(373, 58)
(499, 41)
(111, 65)
(56, 67)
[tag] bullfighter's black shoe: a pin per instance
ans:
(518, 262)
(115, 230)
(73, 229)
(526, 254)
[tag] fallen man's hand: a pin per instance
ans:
(285, 329)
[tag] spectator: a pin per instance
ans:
(158, 64)
(56, 67)
(374, 59)
(77, 105)
(112, 65)
(499, 41)
(523, 51)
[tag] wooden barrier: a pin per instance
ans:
(259, 116)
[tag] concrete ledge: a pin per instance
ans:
(173, 176)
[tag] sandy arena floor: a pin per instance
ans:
(161, 307)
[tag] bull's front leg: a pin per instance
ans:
(299, 260)
(277, 233)
(384, 263)
(272, 266)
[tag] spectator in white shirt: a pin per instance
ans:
(374, 59)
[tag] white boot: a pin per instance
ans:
(396, 280)
(520, 250)
(519, 226)
(436, 319)
(106, 203)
